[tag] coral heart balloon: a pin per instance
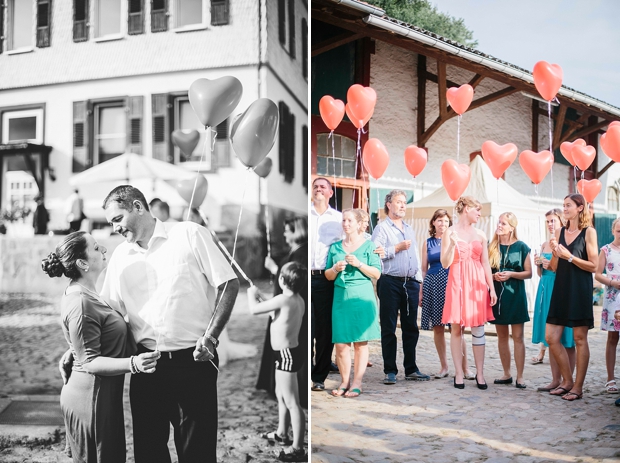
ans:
(332, 111)
(264, 168)
(186, 187)
(610, 142)
(375, 157)
(460, 97)
(589, 189)
(583, 156)
(415, 160)
(254, 132)
(566, 149)
(214, 100)
(455, 178)
(614, 124)
(536, 165)
(361, 101)
(358, 123)
(547, 79)
(499, 158)
(186, 141)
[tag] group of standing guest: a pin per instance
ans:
(461, 281)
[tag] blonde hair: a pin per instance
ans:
(494, 252)
(439, 213)
(558, 213)
(359, 215)
(584, 216)
(614, 223)
(466, 201)
(365, 219)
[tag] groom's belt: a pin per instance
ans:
(182, 355)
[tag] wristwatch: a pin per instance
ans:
(570, 259)
(216, 342)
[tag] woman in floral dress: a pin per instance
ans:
(609, 262)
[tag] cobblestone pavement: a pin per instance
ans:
(434, 422)
(31, 342)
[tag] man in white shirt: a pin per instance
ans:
(164, 277)
(325, 229)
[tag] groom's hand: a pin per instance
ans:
(65, 365)
(205, 350)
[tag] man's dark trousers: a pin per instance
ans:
(322, 297)
(396, 295)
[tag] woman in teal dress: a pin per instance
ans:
(352, 263)
(554, 221)
(510, 263)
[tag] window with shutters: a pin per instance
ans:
(22, 126)
(220, 12)
(286, 26)
(159, 15)
(304, 158)
(339, 162)
(108, 19)
(286, 139)
(110, 130)
(44, 19)
(80, 20)
(304, 47)
(189, 14)
(135, 22)
(291, 29)
(19, 25)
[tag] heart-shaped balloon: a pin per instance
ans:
(455, 178)
(186, 188)
(214, 100)
(358, 123)
(589, 188)
(547, 79)
(186, 141)
(536, 165)
(332, 111)
(460, 97)
(614, 124)
(254, 132)
(264, 168)
(375, 157)
(566, 149)
(415, 159)
(583, 156)
(361, 101)
(499, 158)
(610, 142)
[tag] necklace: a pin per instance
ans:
(351, 243)
(571, 232)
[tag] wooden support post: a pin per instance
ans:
(441, 90)
(421, 99)
(559, 124)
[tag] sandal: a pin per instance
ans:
(292, 454)
(274, 437)
(612, 387)
(564, 391)
(339, 392)
(353, 393)
(536, 360)
(570, 396)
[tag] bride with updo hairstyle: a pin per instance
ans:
(101, 343)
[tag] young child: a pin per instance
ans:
(287, 310)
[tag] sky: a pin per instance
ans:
(582, 36)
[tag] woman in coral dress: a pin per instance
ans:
(470, 292)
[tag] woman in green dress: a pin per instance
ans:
(352, 263)
(510, 263)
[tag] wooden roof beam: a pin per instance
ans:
(335, 42)
(441, 91)
(589, 129)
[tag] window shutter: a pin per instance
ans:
(44, 22)
(1, 26)
(291, 29)
(161, 127)
(304, 160)
(82, 154)
(282, 21)
(135, 106)
(159, 15)
(290, 155)
(283, 110)
(221, 154)
(219, 12)
(80, 20)
(135, 24)
(286, 143)
(304, 47)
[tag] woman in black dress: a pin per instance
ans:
(100, 341)
(296, 236)
(575, 258)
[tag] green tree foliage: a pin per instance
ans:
(423, 14)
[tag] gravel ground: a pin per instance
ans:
(31, 343)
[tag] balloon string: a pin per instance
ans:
(550, 141)
(331, 135)
(358, 154)
(538, 212)
(458, 139)
(267, 225)
(204, 148)
(575, 178)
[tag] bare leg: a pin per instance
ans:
(440, 345)
(359, 367)
(465, 365)
(610, 354)
(290, 394)
(479, 361)
(504, 349)
(572, 359)
(456, 348)
(343, 358)
(556, 377)
(283, 415)
(519, 350)
(583, 357)
(553, 334)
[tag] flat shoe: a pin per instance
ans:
(570, 396)
(545, 389)
(469, 376)
(352, 393)
(520, 385)
(440, 376)
(459, 386)
(503, 381)
(564, 391)
(274, 437)
(481, 386)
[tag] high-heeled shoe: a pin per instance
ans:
(459, 386)
(481, 386)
